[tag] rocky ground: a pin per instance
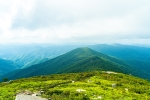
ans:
(28, 97)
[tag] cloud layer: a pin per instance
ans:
(75, 21)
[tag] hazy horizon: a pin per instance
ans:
(75, 22)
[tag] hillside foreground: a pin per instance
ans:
(97, 85)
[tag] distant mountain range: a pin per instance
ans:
(6, 66)
(20, 57)
(129, 52)
(77, 60)
(26, 55)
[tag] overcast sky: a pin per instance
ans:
(75, 21)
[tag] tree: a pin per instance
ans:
(5, 79)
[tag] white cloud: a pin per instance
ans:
(75, 21)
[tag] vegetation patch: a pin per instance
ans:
(94, 85)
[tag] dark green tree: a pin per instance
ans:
(5, 79)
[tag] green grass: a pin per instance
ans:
(95, 85)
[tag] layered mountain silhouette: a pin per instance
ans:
(128, 52)
(6, 66)
(77, 60)
(26, 55)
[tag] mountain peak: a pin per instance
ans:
(83, 48)
(84, 51)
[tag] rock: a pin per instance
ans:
(99, 97)
(34, 95)
(126, 89)
(113, 85)
(80, 90)
(28, 97)
(109, 72)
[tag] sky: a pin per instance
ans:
(75, 21)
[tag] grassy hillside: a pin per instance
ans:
(80, 86)
(77, 60)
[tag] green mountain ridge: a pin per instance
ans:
(77, 60)
(141, 65)
(27, 55)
